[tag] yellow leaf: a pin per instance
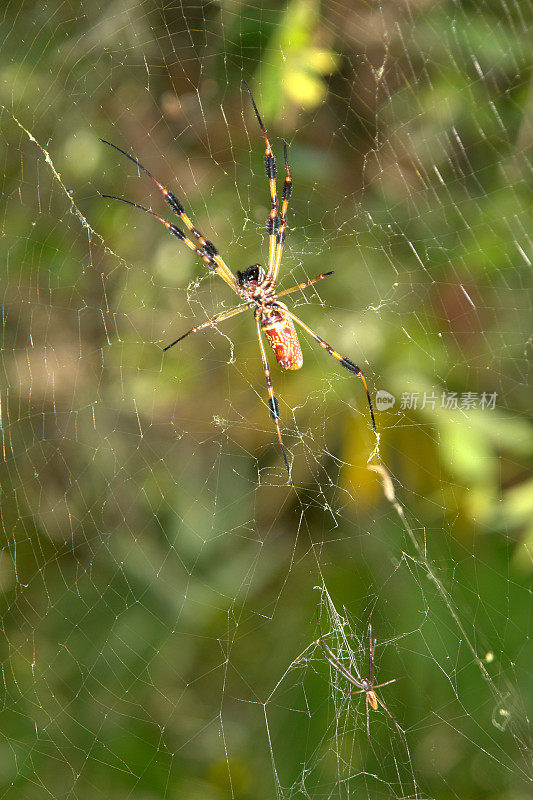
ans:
(304, 89)
(323, 62)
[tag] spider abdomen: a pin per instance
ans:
(283, 339)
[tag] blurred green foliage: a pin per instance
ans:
(158, 575)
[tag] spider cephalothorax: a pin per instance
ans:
(254, 285)
(251, 277)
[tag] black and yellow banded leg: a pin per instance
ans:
(176, 206)
(204, 253)
(272, 400)
(209, 323)
(282, 229)
(302, 285)
(211, 249)
(343, 360)
(271, 173)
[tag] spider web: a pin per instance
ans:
(161, 580)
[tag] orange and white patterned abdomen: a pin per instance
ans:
(283, 340)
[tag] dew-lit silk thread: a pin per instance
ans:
(283, 340)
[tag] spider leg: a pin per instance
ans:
(371, 650)
(213, 321)
(282, 230)
(367, 703)
(336, 664)
(334, 661)
(272, 401)
(271, 172)
(206, 253)
(380, 685)
(400, 731)
(343, 360)
(302, 285)
(178, 209)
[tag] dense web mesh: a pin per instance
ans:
(161, 578)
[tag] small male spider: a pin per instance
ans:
(253, 285)
(365, 685)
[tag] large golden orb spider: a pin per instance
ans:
(254, 285)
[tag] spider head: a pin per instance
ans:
(251, 277)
